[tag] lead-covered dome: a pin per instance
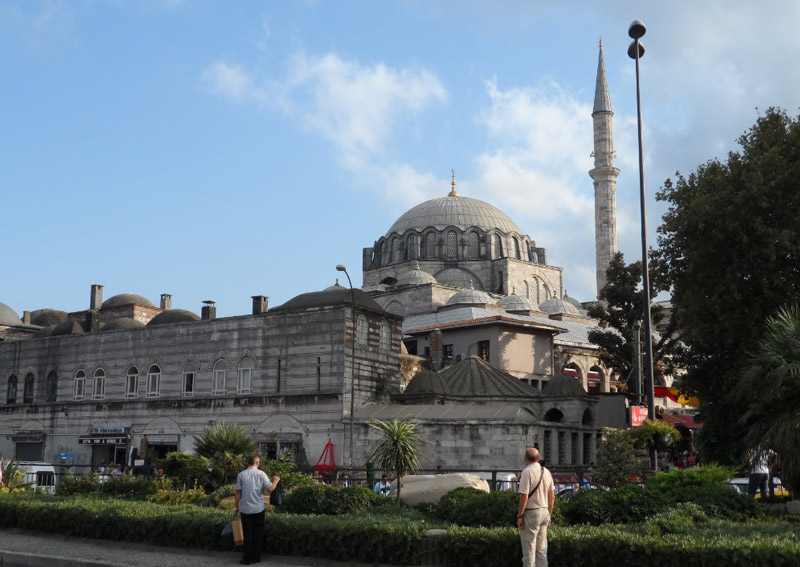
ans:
(173, 316)
(454, 210)
(416, 276)
(126, 299)
(8, 316)
(555, 306)
(514, 303)
(470, 296)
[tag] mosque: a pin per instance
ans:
(461, 324)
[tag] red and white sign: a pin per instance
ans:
(638, 415)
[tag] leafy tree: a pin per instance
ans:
(770, 387)
(729, 247)
(226, 446)
(618, 459)
(619, 308)
(399, 450)
(185, 469)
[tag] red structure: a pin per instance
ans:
(327, 461)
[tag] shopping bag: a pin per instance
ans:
(238, 533)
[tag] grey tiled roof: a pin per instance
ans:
(454, 210)
(474, 377)
(502, 412)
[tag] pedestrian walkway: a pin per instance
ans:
(20, 548)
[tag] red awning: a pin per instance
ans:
(678, 419)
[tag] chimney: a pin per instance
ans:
(166, 301)
(260, 304)
(96, 297)
(437, 349)
(26, 317)
(209, 310)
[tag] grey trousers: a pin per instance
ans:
(534, 538)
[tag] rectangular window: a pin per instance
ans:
(245, 383)
(562, 448)
(319, 374)
(220, 377)
(279, 375)
(154, 385)
(483, 350)
(574, 449)
(448, 351)
(132, 386)
(188, 384)
(411, 347)
(587, 448)
(80, 384)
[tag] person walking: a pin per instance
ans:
(536, 500)
(251, 484)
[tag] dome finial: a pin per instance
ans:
(453, 192)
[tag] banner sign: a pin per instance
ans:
(162, 439)
(638, 415)
(92, 440)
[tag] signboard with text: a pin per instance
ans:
(638, 415)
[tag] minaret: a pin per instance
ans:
(604, 175)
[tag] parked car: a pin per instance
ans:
(39, 476)
(740, 485)
(504, 481)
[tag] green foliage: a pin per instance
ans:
(287, 471)
(728, 248)
(399, 449)
(618, 460)
(624, 505)
(226, 446)
(644, 435)
(472, 507)
(13, 476)
(185, 469)
(328, 500)
(682, 519)
(773, 372)
(704, 476)
(122, 486)
(221, 493)
(194, 495)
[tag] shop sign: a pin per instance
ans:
(638, 415)
(162, 439)
(26, 438)
(111, 431)
(91, 440)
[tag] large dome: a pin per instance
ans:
(454, 210)
(8, 316)
(126, 299)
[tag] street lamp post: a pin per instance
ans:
(342, 268)
(637, 365)
(636, 31)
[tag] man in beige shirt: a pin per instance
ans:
(536, 499)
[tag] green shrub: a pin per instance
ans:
(185, 469)
(122, 486)
(221, 493)
(472, 507)
(323, 499)
(194, 495)
(682, 519)
(706, 475)
(623, 505)
(719, 502)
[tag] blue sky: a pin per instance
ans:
(218, 150)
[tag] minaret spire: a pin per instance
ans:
(604, 175)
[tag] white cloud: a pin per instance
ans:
(231, 81)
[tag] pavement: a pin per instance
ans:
(22, 548)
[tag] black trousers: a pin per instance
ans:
(253, 528)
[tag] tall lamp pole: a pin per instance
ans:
(636, 30)
(341, 268)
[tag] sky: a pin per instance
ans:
(220, 150)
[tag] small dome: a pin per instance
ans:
(46, 317)
(427, 382)
(122, 324)
(334, 287)
(471, 296)
(562, 385)
(8, 316)
(514, 303)
(416, 276)
(126, 299)
(67, 328)
(555, 306)
(173, 316)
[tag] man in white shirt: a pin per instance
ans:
(251, 484)
(759, 472)
(536, 499)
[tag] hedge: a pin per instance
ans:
(664, 540)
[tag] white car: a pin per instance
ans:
(39, 476)
(741, 484)
(504, 481)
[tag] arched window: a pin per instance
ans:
(498, 246)
(397, 246)
(452, 245)
(362, 330)
(11, 395)
(430, 246)
(474, 246)
(517, 254)
(533, 255)
(385, 257)
(132, 382)
(220, 378)
(386, 336)
(189, 374)
(99, 390)
(588, 418)
(396, 308)
(244, 384)
(554, 415)
(27, 391)
(154, 382)
(412, 247)
(526, 289)
(80, 386)
(51, 389)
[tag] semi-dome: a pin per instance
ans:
(471, 296)
(173, 316)
(454, 210)
(514, 303)
(562, 385)
(122, 324)
(416, 276)
(554, 306)
(8, 316)
(126, 299)
(46, 317)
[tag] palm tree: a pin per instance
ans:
(399, 450)
(13, 475)
(771, 386)
(226, 446)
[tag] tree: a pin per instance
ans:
(729, 247)
(619, 308)
(770, 388)
(226, 446)
(618, 460)
(399, 450)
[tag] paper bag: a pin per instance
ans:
(238, 533)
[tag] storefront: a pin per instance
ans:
(157, 446)
(109, 446)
